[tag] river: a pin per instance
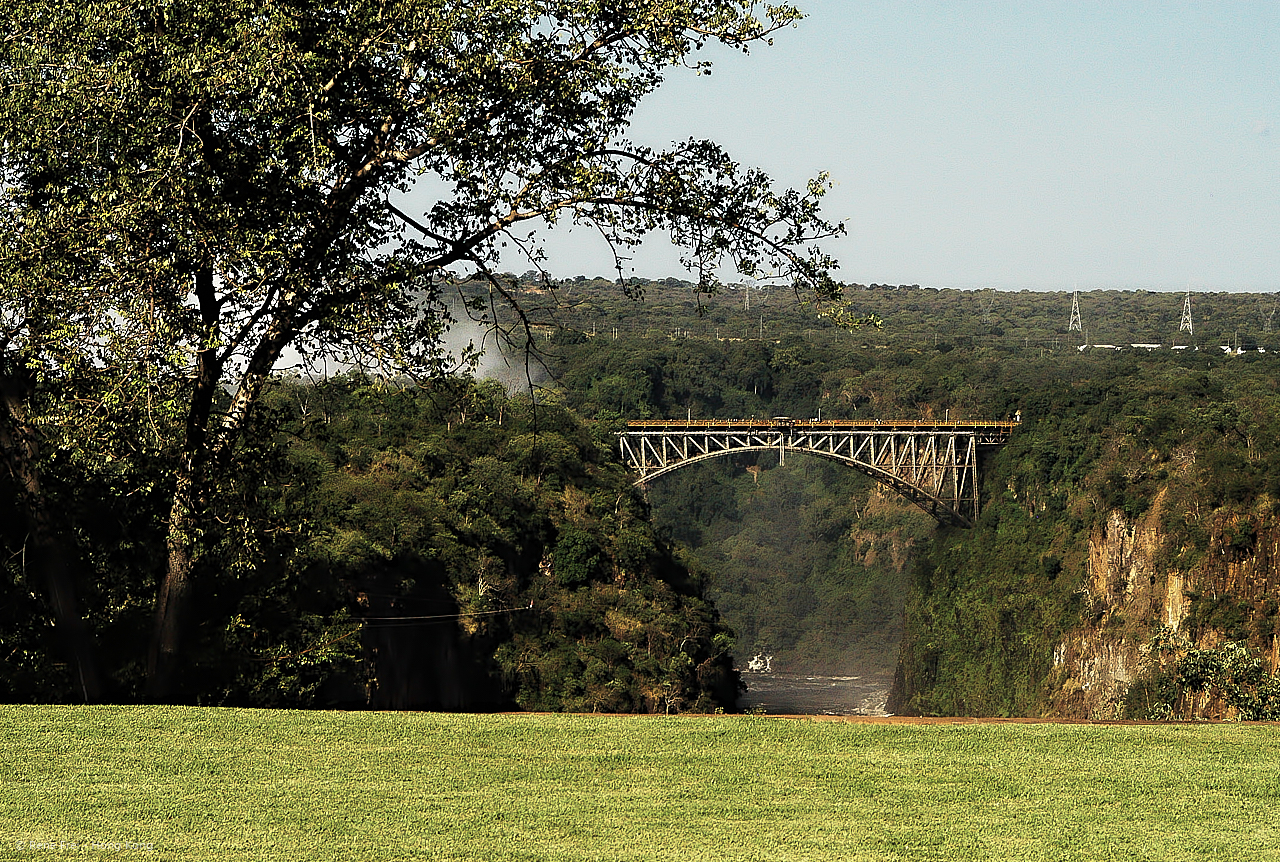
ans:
(806, 694)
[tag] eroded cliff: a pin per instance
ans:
(1135, 592)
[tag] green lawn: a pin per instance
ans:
(186, 783)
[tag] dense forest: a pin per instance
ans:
(457, 545)
(445, 546)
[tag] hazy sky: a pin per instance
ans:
(1025, 144)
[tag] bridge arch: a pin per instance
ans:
(934, 465)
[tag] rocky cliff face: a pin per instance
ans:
(1142, 581)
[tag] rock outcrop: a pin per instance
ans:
(1136, 589)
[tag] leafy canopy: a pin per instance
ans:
(264, 145)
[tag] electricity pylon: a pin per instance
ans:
(1185, 325)
(1074, 325)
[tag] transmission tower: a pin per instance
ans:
(1267, 315)
(1074, 325)
(1185, 325)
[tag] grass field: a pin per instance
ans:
(185, 783)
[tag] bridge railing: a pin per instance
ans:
(987, 429)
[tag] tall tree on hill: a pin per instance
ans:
(227, 173)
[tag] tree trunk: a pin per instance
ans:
(175, 595)
(51, 561)
(163, 659)
(45, 549)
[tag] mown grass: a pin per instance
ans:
(188, 783)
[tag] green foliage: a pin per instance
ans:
(513, 515)
(577, 558)
(1229, 674)
(1101, 433)
(298, 668)
(986, 611)
(914, 320)
(504, 526)
(1222, 613)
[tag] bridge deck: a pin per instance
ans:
(993, 432)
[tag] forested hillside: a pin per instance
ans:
(398, 547)
(1023, 615)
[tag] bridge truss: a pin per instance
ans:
(932, 464)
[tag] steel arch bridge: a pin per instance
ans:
(932, 464)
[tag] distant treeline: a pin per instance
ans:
(944, 318)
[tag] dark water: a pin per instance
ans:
(803, 694)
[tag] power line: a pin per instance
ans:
(386, 621)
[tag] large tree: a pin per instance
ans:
(227, 176)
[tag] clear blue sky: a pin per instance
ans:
(1014, 145)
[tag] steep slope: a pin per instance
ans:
(1126, 562)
